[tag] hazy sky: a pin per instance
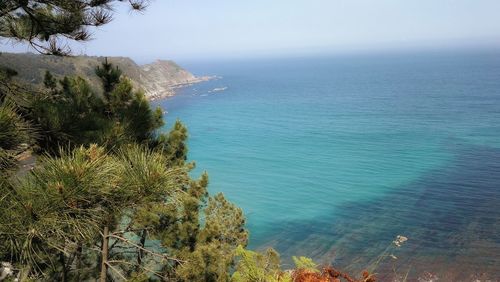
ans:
(181, 29)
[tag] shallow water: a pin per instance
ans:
(334, 157)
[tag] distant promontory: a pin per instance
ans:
(158, 79)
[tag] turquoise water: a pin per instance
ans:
(334, 157)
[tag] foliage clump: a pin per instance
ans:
(46, 24)
(71, 113)
(259, 267)
(265, 267)
(16, 133)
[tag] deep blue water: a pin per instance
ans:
(333, 157)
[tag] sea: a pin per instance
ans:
(333, 157)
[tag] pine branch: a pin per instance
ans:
(146, 250)
(43, 23)
(116, 271)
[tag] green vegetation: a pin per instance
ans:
(70, 113)
(258, 267)
(15, 132)
(31, 68)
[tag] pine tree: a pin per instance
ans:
(216, 243)
(110, 77)
(173, 143)
(69, 115)
(49, 81)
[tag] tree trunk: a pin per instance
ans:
(142, 243)
(79, 251)
(104, 254)
(64, 274)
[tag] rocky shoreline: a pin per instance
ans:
(170, 90)
(160, 79)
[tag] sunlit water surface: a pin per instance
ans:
(333, 157)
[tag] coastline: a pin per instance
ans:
(157, 80)
(170, 90)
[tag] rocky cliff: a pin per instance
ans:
(161, 77)
(158, 79)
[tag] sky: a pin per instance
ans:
(197, 29)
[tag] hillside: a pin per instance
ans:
(158, 79)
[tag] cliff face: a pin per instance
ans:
(161, 77)
(158, 79)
